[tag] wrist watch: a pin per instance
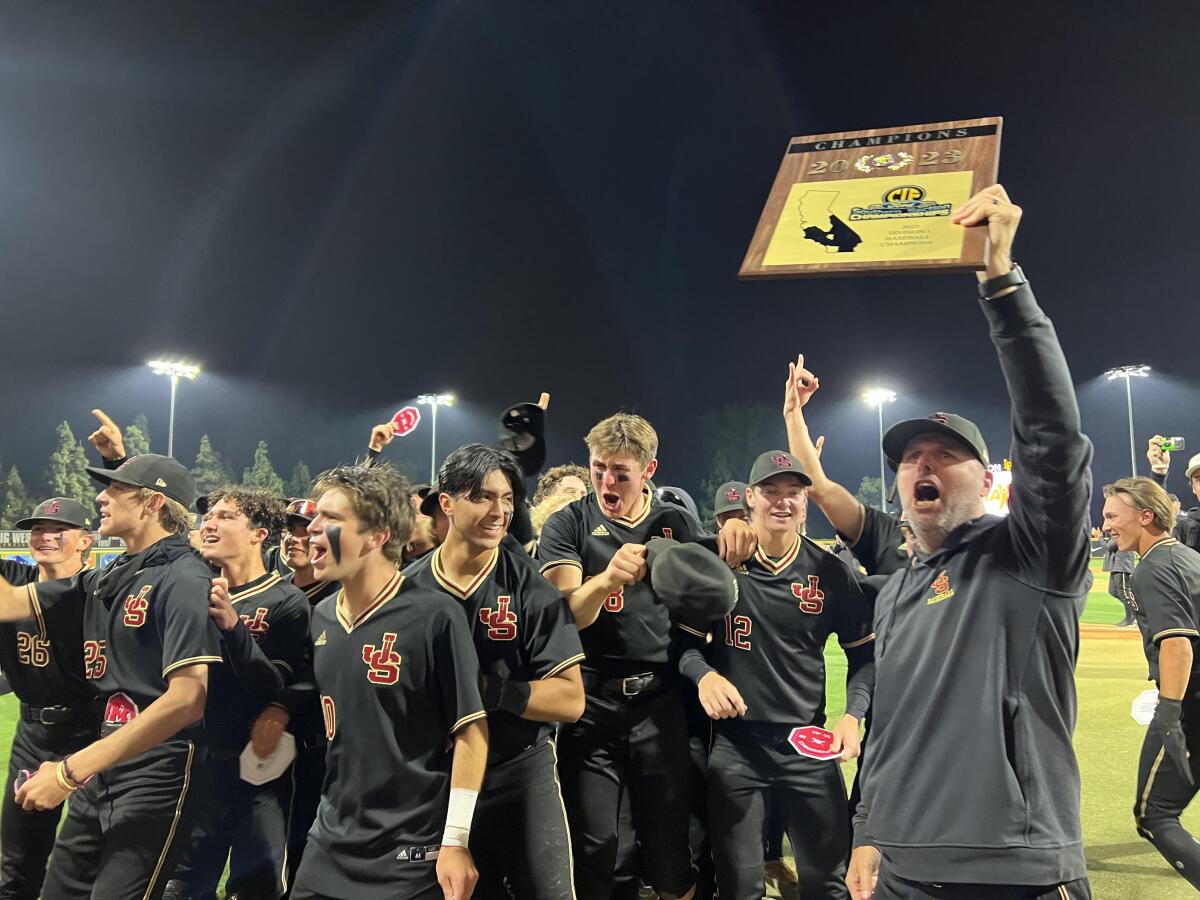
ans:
(1013, 278)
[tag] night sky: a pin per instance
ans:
(337, 206)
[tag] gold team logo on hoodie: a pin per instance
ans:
(940, 589)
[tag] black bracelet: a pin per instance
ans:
(71, 777)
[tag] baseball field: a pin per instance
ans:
(1111, 673)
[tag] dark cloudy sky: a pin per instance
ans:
(337, 206)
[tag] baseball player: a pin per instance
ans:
(529, 653)
(399, 683)
(982, 630)
(148, 643)
(1166, 582)
(1187, 528)
(761, 674)
(632, 736)
(1119, 566)
(729, 502)
(43, 659)
(252, 608)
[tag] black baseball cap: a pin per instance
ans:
(164, 474)
(730, 497)
(966, 432)
(429, 500)
(776, 462)
(63, 510)
(691, 581)
(301, 509)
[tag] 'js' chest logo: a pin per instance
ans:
(137, 607)
(383, 665)
(501, 622)
(257, 624)
(811, 597)
(940, 589)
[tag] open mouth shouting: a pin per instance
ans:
(926, 495)
(610, 501)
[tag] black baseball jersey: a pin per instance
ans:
(1166, 583)
(145, 616)
(772, 645)
(632, 632)
(522, 629)
(42, 657)
(318, 590)
(396, 682)
(276, 615)
(880, 547)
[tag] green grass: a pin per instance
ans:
(1111, 672)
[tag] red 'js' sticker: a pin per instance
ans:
(406, 420)
(813, 742)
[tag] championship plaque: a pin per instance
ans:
(876, 201)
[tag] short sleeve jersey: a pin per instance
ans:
(43, 656)
(396, 681)
(772, 645)
(880, 547)
(522, 629)
(1166, 584)
(632, 632)
(145, 616)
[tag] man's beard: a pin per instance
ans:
(957, 510)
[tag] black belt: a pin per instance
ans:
(54, 715)
(642, 686)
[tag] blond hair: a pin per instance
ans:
(551, 478)
(173, 516)
(623, 434)
(1145, 493)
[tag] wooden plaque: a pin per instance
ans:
(876, 202)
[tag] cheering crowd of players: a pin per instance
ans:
(468, 694)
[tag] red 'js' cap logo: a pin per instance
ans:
(732, 496)
(52, 507)
(782, 461)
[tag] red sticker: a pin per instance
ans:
(813, 742)
(406, 420)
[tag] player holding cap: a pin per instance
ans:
(1166, 582)
(982, 631)
(1187, 529)
(264, 622)
(399, 682)
(43, 660)
(761, 673)
(148, 643)
(529, 653)
(632, 736)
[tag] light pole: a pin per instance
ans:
(434, 401)
(877, 397)
(176, 370)
(1128, 372)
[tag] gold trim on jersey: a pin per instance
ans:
(866, 640)
(467, 720)
(283, 665)
(693, 631)
(647, 495)
(564, 665)
(1160, 542)
(162, 857)
(273, 579)
(350, 623)
(36, 606)
(458, 590)
(560, 562)
(1175, 632)
(312, 590)
(777, 566)
(190, 661)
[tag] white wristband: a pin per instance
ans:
(458, 817)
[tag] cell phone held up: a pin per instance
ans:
(1173, 444)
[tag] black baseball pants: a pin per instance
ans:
(1163, 794)
(892, 887)
(309, 772)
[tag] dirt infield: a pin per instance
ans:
(1109, 632)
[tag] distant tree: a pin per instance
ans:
(66, 475)
(136, 441)
(730, 438)
(868, 491)
(301, 481)
(210, 472)
(143, 425)
(262, 474)
(14, 499)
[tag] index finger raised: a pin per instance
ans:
(104, 418)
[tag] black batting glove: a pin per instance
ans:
(1167, 728)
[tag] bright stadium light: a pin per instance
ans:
(176, 369)
(1128, 372)
(433, 401)
(877, 397)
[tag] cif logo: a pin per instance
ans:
(906, 193)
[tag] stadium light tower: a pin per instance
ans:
(176, 370)
(1128, 372)
(877, 397)
(434, 401)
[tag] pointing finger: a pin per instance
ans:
(544, 400)
(105, 421)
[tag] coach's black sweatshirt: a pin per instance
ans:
(971, 775)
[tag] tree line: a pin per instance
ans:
(64, 475)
